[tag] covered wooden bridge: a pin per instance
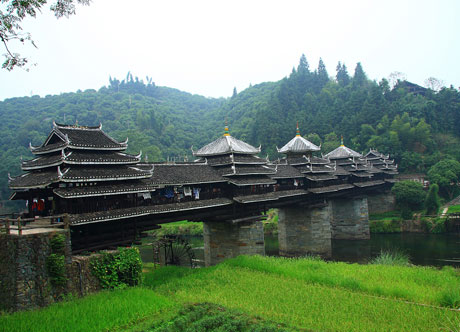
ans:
(112, 197)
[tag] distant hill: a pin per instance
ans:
(415, 125)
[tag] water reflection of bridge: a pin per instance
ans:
(112, 197)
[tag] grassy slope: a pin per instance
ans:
(283, 290)
(104, 311)
(301, 293)
(454, 209)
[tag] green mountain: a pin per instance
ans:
(415, 125)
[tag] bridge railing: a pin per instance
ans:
(18, 225)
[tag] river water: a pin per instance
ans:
(422, 249)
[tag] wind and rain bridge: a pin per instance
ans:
(112, 197)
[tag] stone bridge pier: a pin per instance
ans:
(350, 218)
(227, 239)
(305, 230)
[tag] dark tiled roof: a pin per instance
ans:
(316, 169)
(179, 174)
(85, 174)
(79, 137)
(369, 183)
(234, 159)
(390, 172)
(49, 148)
(81, 157)
(299, 145)
(245, 170)
(89, 191)
(38, 179)
(290, 193)
(286, 172)
(250, 180)
(93, 138)
(87, 218)
(102, 157)
(42, 162)
(320, 177)
(362, 174)
(330, 189)
(224, 145)
(341, 171)
(342, 152)
(271, 196)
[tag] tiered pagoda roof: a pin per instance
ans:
(78, 154)
(236, 161)
(299, 145)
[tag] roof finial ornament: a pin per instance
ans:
(341, 140)
(226, 133)
(9, 177)
(297, 133)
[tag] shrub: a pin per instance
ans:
(118, 270)
(55, 265)
(409, 195)
(432, 203)
(393, 257)
(55, 262)
(385, 226)
(450, 298)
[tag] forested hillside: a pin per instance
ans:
(417, 126)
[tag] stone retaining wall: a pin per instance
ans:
(24, 279)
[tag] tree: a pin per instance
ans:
(322, 76)
(342, 74)
(234, 92)
(432, 200)
(303, 67)
(446, 174)
(359, 78)
(10, 24)
(396, 77)
(409, 196)
(434, 84)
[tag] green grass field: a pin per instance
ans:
(264, 294)
(454, 209)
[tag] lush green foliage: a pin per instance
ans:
(55, 262)
(432, 203)
(435, 225)
(454, 209)
(409, 195)
(394, 257)
(104, 311)
(320, 296)
(446, 174)
(118, 270)
(180, 228)
(385, 226)
(248, 293)
(212, 317)
(417, 126)
(271, 223)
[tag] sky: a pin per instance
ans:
(209, 47)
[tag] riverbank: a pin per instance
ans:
(277, 294)
(388, 222)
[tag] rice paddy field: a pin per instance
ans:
(264, 294)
